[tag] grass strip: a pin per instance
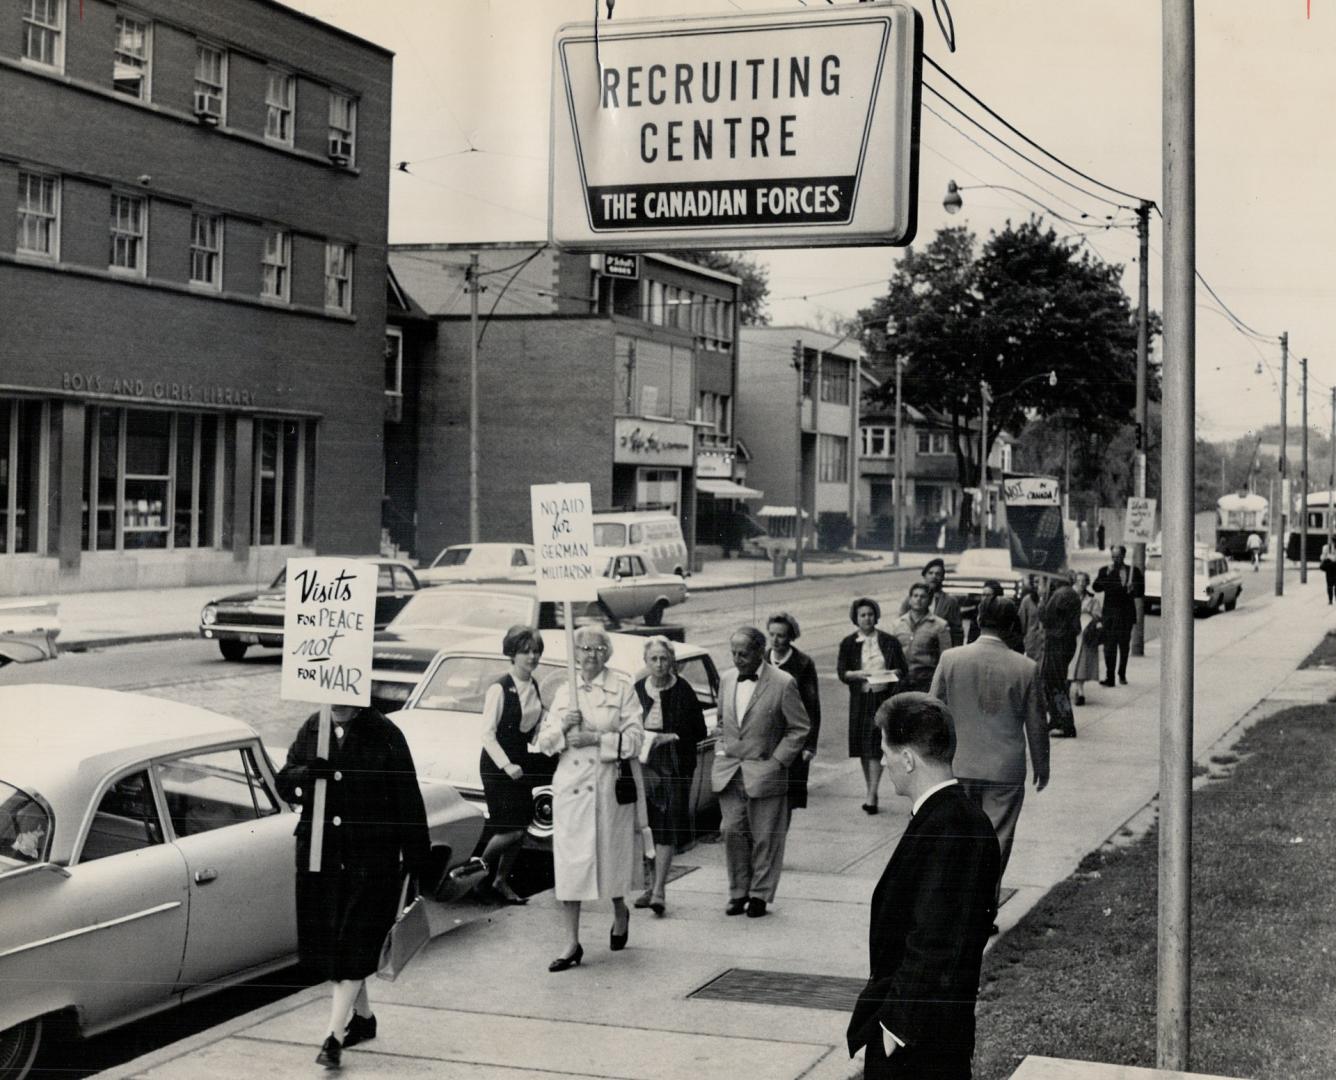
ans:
(1076, 977)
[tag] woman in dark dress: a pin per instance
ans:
(510, 713)
(375, 833)
(675, 721)
(866, 660)
(782, 631)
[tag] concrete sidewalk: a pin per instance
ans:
(697, 994)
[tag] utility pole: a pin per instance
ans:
(1174, 925)
(471, 278)
(1143, 318)
(1303, 485)
(983, 466)
(798, 365)
(900, 458)
(1280, 468)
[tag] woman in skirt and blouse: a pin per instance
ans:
(375, 833)
(865, 662)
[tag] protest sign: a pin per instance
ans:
(1034, 524)
(563, 541)
(1139, 524)
(329, 620)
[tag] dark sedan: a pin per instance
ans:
(241, 620)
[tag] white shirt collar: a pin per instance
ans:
(918, 803)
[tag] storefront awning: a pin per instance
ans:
(778, 511)
(727, 489)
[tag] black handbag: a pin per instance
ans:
(626, 779)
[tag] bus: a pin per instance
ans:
(1236, 517)
(1314, 528)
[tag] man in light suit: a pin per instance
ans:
(931, 909)
(762, 729)
(997, 701)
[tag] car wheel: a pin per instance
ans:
(233, 650)
(654, 616)
(1230, 605)
(18, 1049)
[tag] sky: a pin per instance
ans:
(471, 116)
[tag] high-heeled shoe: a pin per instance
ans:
(657, 906)
(561, 963)
(616, 941)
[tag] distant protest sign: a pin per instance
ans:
(1139, 524)
(1031, 491)
(563, 541)
(1034, 522)
(329, 619)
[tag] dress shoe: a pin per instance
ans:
(736, 907)
(616, 941)
(755, 907)
(561, 963)
(1079, 699)
(1105, 682)
(869, 808)
(642, 901)
(360, 1029)
(1122, 679)
(993, 931)
(507, 895)
(331, 1053)
(1063, 732)
(657, 907)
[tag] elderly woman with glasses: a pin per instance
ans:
(596, 846)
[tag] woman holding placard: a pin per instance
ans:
(594, 727)
(374, 833)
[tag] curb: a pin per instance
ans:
(877, 569)
(80, 645)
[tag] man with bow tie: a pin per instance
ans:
(1121, 585)
(762, 729)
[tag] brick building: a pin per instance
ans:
(618, 370)
(193, 213)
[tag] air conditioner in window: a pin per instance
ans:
(208, 107)
(340, 150)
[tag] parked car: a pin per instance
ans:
(1215, 584)
(146, 860)
(241, 620)
(655, 534)
(28, 631)
(973, 568)
(475, 562)
(443, 718)
(633, 589)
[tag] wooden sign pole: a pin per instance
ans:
(318, 798)
(570, 652)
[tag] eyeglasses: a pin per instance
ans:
(589, 650)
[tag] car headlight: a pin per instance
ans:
(209, 615)
(542, 811)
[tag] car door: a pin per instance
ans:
(116, 927)
(236, 839)
(700, 674)
(611, 590)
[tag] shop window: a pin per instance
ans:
(832, 458)
(44, 32)
(21, 478)
(659, 489)
(210, 81)
(38, 215)
(278, 100)
(279, 482)
(130, 61)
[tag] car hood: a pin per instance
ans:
(445, 745)
(273, 597)
(416, 645)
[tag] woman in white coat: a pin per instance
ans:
(596, 852)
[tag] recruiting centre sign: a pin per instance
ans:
(754, 130)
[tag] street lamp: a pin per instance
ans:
(952, 201)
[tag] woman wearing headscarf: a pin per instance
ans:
(872, 664)
(782, 631)
(674, 720)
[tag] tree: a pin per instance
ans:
(755, 288)
(1028, 304)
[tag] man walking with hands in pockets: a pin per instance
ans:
(762, 729)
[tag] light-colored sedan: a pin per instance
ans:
(28, 630)
(146, 859)
(631, 588)
(480, 562)
(1216, 585)
(443, 718)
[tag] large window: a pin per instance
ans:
(44, 32)
(129, 231)
(22, 424)
(206, 250)
(278, 99)
(130, 63)
(342, 128)
(832, 454)
(932, 442)
(282, 462)
(154, 480)
(394, 361)
(210, 79)
(835, 381)
(38, 215)
(878, 440)
(338, 277)
(276, 265)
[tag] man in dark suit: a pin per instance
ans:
(1060, 615)
(782, 630)
(996, 699)
(1121, 585)
(940, 604)
(762, 730)
(931, 910)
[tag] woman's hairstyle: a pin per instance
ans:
(520, 639)
(1079, 575)
(994, 585)
(789, 621)
(591, 635)
(863, 602)
(659, 641)
(919, 721)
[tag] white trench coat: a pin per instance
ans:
(596, 843)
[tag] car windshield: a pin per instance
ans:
(609, 534)
(25, 826)
(443, 606)
(460, 683)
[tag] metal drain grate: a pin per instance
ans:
(801, 991)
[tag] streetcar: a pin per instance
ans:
(1237, 517)
(1314, 528)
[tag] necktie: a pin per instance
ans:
(747, 678)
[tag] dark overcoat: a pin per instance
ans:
(803, 670)
(864, 741)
